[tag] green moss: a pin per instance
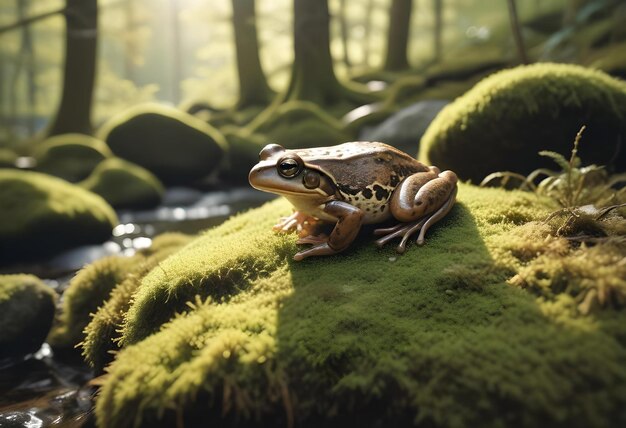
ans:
(41, 214)
(7, 158)
(176, 147)
(103, 331)
(434, 337)
(26, 312)
(297, 124)
(507, 118)
(87, 291)
(70, 156)
(125, 185)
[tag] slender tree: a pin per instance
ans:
(74, 112)
(312, 77)
(253, 87)
(177, 60)
(517, 32)
(343, 27)
(367, 31)
(129, 61)
(438, 29)
(398, 35)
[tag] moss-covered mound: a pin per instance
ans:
(506, 119)
(297, 124)
(26, 313)
(124, 184)
(435, 337)
(7, 158)
(94, 289)
(101, 335)
(176, 147)
(41, 214)
(70, 156)
(87, 291)
(243, 154)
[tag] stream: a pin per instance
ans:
(45, 389)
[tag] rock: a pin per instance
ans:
(41, 215)
(242, 155)
(70, 156)
(405, 128)
(178, 148)
(506, 119)
(229, 330)
(26, 313)
(87, 291)
(125, 185)
(298, 124)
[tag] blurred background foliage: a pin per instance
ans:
(182, 51)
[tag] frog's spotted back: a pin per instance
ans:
(347, 151)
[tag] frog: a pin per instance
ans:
(350, 185)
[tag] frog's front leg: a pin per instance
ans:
(300, 222)
(349, 220)
(418, 202)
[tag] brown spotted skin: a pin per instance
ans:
(375, 171)
(354, 184)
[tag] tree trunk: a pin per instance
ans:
(129, 61)
(312, 78)
(177, 71)
(74, 112)
(29, 60)
(253, 87)
(438, 29)
(398, 35)
(517, 32)
(343, 26)
(367, 31)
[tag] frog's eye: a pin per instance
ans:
(289, 167)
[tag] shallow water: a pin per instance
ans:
(45, 389)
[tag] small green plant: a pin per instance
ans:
(572, 186)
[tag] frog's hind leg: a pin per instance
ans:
(419, 202)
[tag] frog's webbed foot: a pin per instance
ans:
(406, 230)
(302, 223)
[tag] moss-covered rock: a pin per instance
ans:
(243, 154)
(70, 156)
(124, 184)
(297, 124)
(364, 338)
(7, 158)
(41, 214)
(87, 291)
(176, 147)
(103, 331)
(506, 119)
(26, 313)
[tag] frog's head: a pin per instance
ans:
(284, 172)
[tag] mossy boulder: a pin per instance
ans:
(243, 154)
(41, 215)
(86, 292)
(507, 118)
(178, 148)
(298, 124)
(229, 330)
(101, 336)
(26, 313)
(7, 158)
(125, 185)
(70, 156)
